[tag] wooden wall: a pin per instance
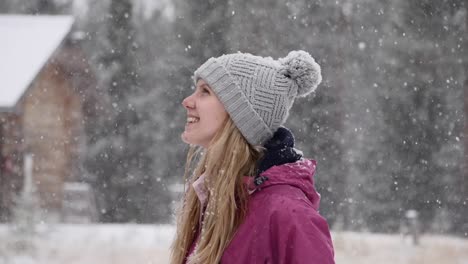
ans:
(53, 129)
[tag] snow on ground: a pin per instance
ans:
(366, 248)
(148, 244)
(98, 243)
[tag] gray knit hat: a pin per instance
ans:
(258, 92)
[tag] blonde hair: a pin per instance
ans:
(227, 159)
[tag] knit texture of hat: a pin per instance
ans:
(258, 92)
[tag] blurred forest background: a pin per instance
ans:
(386, 126)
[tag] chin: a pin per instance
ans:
(184, 138)
(188, 140)
(193, 141)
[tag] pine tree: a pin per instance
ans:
(420, 107)
(463, 183)
(117, 157)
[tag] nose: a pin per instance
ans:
(188, 102)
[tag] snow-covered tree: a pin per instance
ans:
(117, 156)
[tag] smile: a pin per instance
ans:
(192, 119)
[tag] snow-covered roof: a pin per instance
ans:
(27, 43)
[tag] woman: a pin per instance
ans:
(251, 196)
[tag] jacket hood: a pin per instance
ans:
(282, 164)
(299, 174)
(279, 150)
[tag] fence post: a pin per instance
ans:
(413, 225)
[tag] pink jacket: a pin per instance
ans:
(283, 224)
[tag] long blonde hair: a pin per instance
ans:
(228, 158)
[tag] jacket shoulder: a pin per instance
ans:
(291, 208)
(281, 198)
(281, 227)
(298, 233)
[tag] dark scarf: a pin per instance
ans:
(278, 150)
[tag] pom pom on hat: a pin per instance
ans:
(302, 68)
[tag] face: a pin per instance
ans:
(205, 115)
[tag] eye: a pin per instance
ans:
(205, 91)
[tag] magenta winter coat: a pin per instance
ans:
(283, 224)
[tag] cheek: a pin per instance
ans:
(220, 116)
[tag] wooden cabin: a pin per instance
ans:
(44, 78)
